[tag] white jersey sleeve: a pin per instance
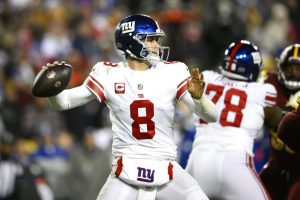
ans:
(97, 77)
(71, 98)
(204, 107)
(90, 89)
(180, 77)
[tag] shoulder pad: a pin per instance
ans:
(103, 66)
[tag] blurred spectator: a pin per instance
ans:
(185, 129)
(11, 109)
(294, 10)
(274, 34)
(32, 171)
(20, 180)
(89, 169)
(10, 170)
(56, 43)
(88, 115)
(52, 155)
(103, 136)
(38, 117)
(221, 26)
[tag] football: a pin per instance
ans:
(52, 79)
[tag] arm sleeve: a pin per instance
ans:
(203, 107)
(71, 98)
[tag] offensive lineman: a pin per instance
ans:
(222, 158)
(141, 94)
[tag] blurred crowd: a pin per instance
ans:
(67, 154)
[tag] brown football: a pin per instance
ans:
(52, 80)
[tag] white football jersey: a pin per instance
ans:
(142, 105)
(241, 113)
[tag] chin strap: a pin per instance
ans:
(153, 59)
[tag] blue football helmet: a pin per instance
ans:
(289, 58)
(242, 61)
(132, 31)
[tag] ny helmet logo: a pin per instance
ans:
(128, 27)
(145, 175)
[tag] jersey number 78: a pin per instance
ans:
(229, 106)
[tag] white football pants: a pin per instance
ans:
(182, 187)
(226, 175)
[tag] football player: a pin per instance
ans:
(141, 93)
(222, 156)
(288, 130)
(281, 175)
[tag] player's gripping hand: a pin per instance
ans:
(52, 79)
(196, 84)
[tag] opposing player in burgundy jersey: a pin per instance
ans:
(222, 156)
(281, 175)
(141, 93)
(288, 129)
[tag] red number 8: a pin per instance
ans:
(138, 120)
(237, 109)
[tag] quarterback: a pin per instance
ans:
(141, 93)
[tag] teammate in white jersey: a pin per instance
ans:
(141, 94)
(222, 155)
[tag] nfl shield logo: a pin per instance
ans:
(119, 88)
(140, 86)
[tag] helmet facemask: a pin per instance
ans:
(289, 67)
(290, 83)
(152, 54)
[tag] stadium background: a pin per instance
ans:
(34, 32)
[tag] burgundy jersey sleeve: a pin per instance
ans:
(289, 129)
(282, 93)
